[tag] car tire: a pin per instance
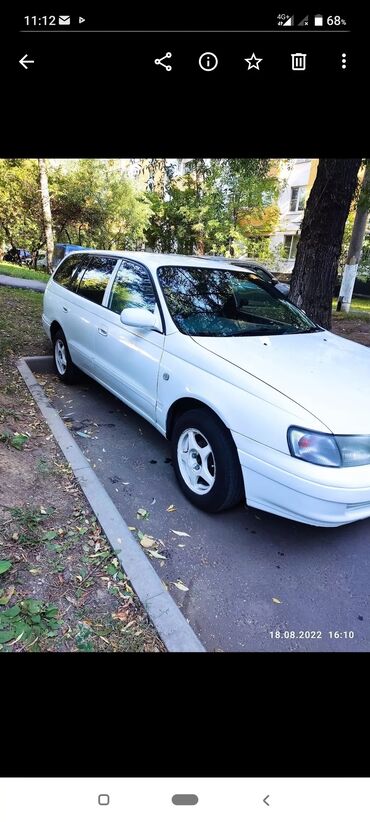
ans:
(206, 462)
(67, 372)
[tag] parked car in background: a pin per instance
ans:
(243, 383)
(42, 261)
(20, 256)
(253, 265)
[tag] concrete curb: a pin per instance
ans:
(168, 620)
(18, 282)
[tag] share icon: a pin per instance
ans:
(159, 61)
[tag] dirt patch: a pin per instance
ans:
(61, 586)
(356, 330)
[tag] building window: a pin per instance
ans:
(297, 198)
(290, 246)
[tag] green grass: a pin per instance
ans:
(357, 304)
(11, 270)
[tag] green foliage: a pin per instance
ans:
(94, 204)
(28, 620)
(15, 440)
(21, 221)
(220, 206)
(217, 207)
(5, 565)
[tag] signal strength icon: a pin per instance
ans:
(290, 21)
(304, 22)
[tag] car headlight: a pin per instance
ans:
(327, 449)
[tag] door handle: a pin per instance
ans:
(64, 308)
(103, 332)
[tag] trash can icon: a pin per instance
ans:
(298, 61)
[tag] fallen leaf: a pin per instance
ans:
(147, 542)
(171, 508)
(142, 513)
(180, 533)
(277, 601)
(180, 585)
(34, 571)
(122, 614)
(156, 555)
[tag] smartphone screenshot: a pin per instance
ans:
(184, 412)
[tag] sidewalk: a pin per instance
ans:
(17, 282)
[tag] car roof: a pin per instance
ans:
(241, 261)
(153, 259)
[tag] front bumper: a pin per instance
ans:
(301, 491)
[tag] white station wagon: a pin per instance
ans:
(256, 399)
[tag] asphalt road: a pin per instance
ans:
(234, 563)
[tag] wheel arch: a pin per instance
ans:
(54, 327)
(188, 404)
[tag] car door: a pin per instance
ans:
(88, 311)
(127, 359)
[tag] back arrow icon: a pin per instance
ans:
(265, 800)
(23, 61)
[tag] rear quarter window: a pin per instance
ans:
(95, 278)
(68, 271)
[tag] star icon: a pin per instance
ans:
(253, 61)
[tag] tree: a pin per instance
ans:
(94, 204)
(217, 207)
(46, 213)
(21, 223)
(356, 244)
(315, 270)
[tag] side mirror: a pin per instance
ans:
(137, 318)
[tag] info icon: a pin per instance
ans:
(208, 61)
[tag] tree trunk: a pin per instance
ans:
(46, 211)
(315, 270)
(355, 248)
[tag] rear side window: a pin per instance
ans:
(132, 288)
(95, 279)
(68, 271)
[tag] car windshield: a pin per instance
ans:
(214, 302)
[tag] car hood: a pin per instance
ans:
(324, 373)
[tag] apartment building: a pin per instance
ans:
(297, 177)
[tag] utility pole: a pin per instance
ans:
(46, 212)
(355, 246)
